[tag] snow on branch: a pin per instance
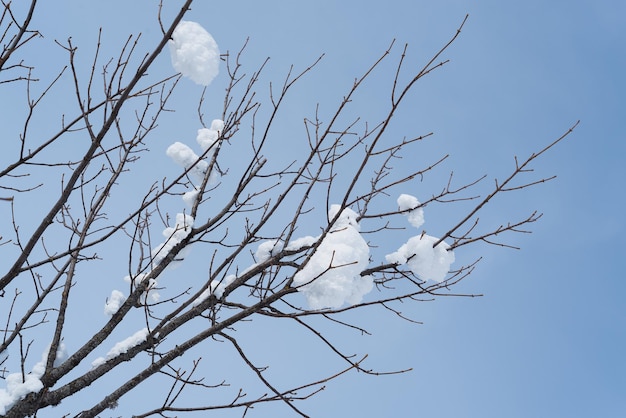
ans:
(426, 256)
(332, 275)
(194, 52)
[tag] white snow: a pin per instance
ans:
(203, 296)
(332, 275)
(426, 262)
(217, 125)
(190, 196)
(417, 253)
(19, 386)
(97, 362)
(207, 137)
(150, 291)
(194, 52)
(173, 236)
(114, 302)
(186, 158)
(267, 249)
(215, 288)
(301, 242)
(184, 223)
(415, 216)
(122, 346)
(218, 287)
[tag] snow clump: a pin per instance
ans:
(185, 157)
(332, 276)
(216, 288)
(415, 214)
(122, 346)
(208, 136)
(173, 235)
(194, 53)
(189, 160)
(150, 292)
(114, 302)
(19, 385)
(267, 249)
(424, 260)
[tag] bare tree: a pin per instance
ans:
(249, 213)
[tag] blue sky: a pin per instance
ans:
(548, 335)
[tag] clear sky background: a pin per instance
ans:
(548, 336)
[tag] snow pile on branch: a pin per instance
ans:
(114, 302)
(19, 385)
(194, 52)
(267, 249)
(189, 160)
(122, 346)
(185, 157)
(216, 288)
(173, 235)
(415, 214)
(332, 276)
(302, 242)
(424, 260)
(207, 137)
(190, 197)
(150, 292)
